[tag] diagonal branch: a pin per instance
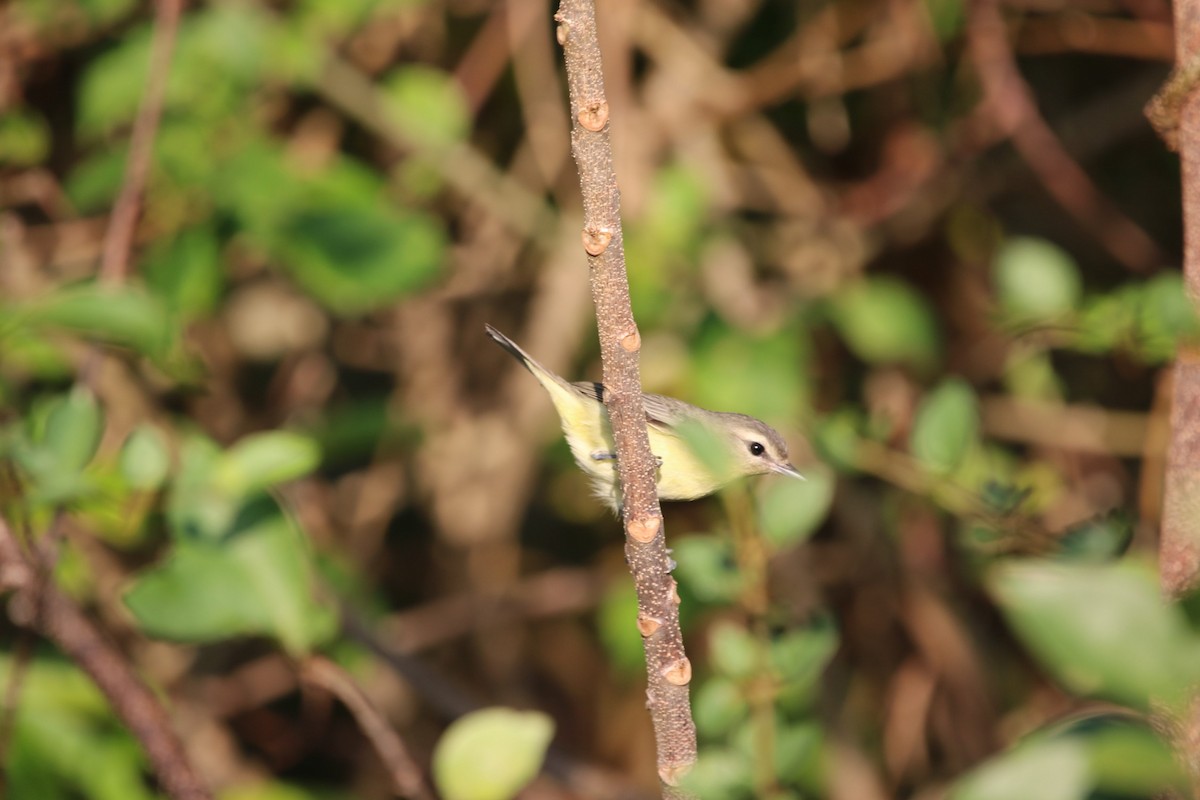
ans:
(38, 604)
(114, 259)
(1011, 105)
(668, 670)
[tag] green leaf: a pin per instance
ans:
(763, 376)
(1100, 629)
(257, 580)
(707, 568)
(1036, 280)
(617, 623)
(718, 706)
(145, 462)
(734, 651)
(355, 260)
(1097, 540)
(124, 315)
(73, 429)
(1054, 769)
(884, 320)
(197, 508)
(1103, 756)
(800, 656)
(1166, 317)
(791, 511)
(946, 426)
(947, 17)
(263, 460)
(186, 272)
(491, 754)
(24, 139)
(427, 104)
(719, 774)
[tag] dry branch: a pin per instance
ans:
(39, 605)
(668, 669)
(405, 774)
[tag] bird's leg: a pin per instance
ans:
(602, 456)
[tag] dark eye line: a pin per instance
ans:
(757, 449)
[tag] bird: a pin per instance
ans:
(745, 445)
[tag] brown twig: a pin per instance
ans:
(668, 670)
(1011, 105)
(119, 239)
(39, 605)
(406, 775)
(1179, 548)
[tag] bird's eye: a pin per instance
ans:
(757, 449)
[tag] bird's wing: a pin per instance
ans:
(661, 412)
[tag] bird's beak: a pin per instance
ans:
(787, 469)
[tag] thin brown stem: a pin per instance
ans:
(1011, 106)
(114, 261)
(406, 775)
(39, 605)
(668, 669)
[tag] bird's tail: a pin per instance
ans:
(529, 362)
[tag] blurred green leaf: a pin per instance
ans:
(24, 138)
(186, 272)
(1115, 759)
(145, 462)
(196, 507)
(93, 184)
(1101, 629)
(1036, 280)
(800, 656)
(1053, 769)
(733, 650)
(1166, 317)
(719, 705)
(884, 320)
(263, 460)
(617, 623)
(65, 742)
(354, 260)
(427, 104)
(790, 511)
(946, 426)
(719, 774)
(707, 568)
(947, 17)
(763, 376)
(491, 754)
(1097, 540)
(123, 315)
(837, 438)
(73, 430)
(257, 580)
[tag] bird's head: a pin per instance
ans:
(756, 447)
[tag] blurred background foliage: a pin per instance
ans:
(284, 433)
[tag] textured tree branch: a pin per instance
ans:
(38, 604)
(1179, 553)
(668, 669)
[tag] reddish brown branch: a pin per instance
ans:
(38, 604)
(406, 775)
(668, 669)
(1179, 553)
(114, 259)
(1012, 107)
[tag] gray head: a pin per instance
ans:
(757, 447)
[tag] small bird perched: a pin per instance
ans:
(752, 446)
